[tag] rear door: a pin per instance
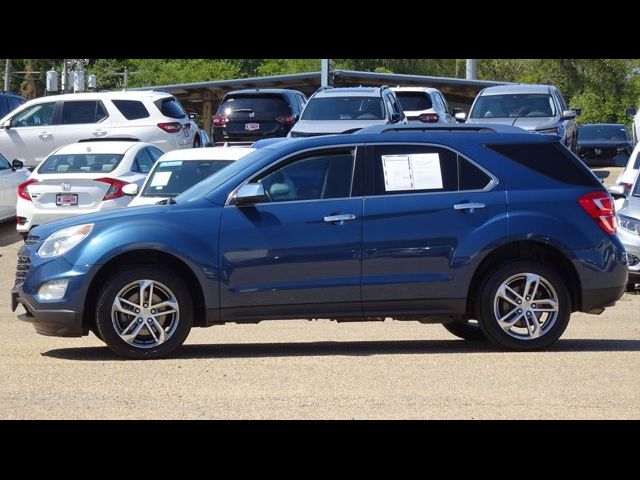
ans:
(427, 213)
(254, 116)
(81, 120)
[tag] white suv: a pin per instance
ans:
(41, 125)
(347, 109)
(422, 104)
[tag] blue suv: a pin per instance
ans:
(496, 234)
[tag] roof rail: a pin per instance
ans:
(444, 128)
(324, 88)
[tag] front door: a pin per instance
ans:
(428, 212)
(30, 137)
(297, 254)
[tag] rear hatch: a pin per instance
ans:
(81, 192)
(251, 117)
(178, 122)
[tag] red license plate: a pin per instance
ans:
(63, 199)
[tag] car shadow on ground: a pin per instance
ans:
(351, 348)
(8, 233)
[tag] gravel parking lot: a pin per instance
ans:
(299, 369)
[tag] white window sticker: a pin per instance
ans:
(174, 163)
(160, 179)
(397, 173)
(426, 171)
(419, 171)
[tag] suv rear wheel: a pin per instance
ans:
(524, 305)
(144, 312)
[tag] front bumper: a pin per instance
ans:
(631, 244)
(63, 317)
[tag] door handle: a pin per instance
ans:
(468, 206)
(44, 134)
(340, 219)
(99, 132)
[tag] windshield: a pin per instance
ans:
(509, 106)
(344, 108)
(199, 190)
(81, 163)
(414, 101)
(603, 132)
(171, 178)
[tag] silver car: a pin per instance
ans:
(629, 226)
(537, 108)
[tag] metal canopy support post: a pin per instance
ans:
(472, 69)
(7, 75)
(207, 110)
(324, 72)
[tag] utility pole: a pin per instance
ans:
(125, 74)
(7, 75)
(472, 68)
(65, 77)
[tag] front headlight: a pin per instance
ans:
(60, 242)
(549, 131)
(630, 224)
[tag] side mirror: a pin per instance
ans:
(17, 165)
(568, 115)
(461, 116)
(617, 191)
(7, 125)
(578, 111)
(130, 189)
(192, 116)
(630, 111)
(395, 117)
(249, 194)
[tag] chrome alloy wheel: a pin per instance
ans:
(145, 313)
(526, 306)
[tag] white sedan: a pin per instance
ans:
(83, 177)
(179, 170)
(10, 177)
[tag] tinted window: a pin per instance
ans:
(89, 111)
(155, 153)
(603, 132)
(131, 109)
(319, 176)
(471, 177)
(400, 169)
(36, 115)
(4, 163)
(344, 108)
(272, 104)
(550, 159)
(80, 163)
(510, 106)
(169, 107)
(4, 106)
(170, 178)
(414, 101)
(143, 162)
(15, 102)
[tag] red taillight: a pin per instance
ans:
(429, 118)
(22, 189)
(286, 120)
(220, 120)
(171, 127)
(115, 188)
(600, 207)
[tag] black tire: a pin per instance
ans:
(466, 330)
(107, 330)
(487, 318)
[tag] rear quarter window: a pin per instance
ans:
(169, 107)
(131, 109)
(552, 160)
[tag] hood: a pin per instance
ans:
(140, 201)
(333, 126)
(537, 123)
(121, 213)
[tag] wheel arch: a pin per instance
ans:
(526, 250)
(144, 257)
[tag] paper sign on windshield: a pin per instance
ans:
(160, 179)
(419, 171)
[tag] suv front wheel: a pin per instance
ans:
(144, 312)
(524, 305)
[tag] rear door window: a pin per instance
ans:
(83, 111)
(143, 162)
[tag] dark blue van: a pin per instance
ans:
(496, 233)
